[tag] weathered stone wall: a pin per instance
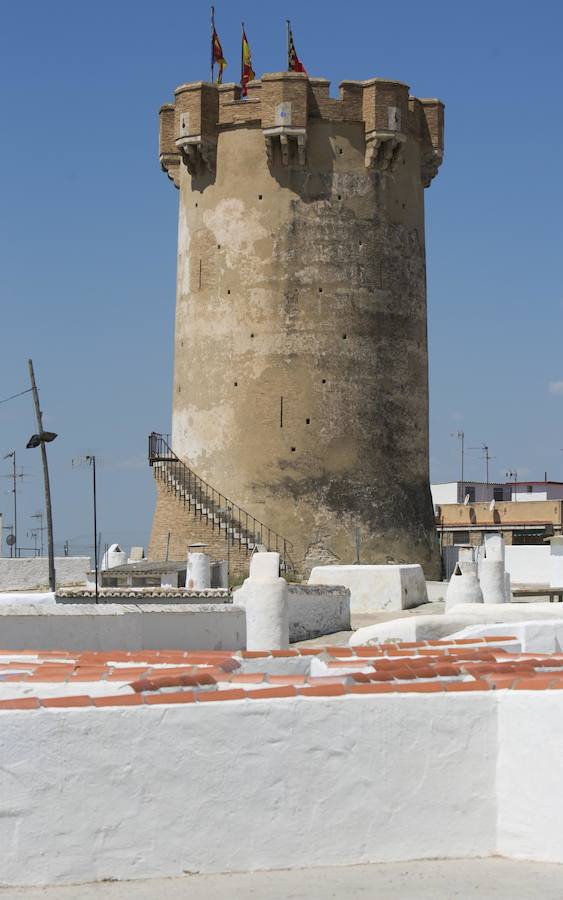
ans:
(300, 387)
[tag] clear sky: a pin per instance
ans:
(88, 225)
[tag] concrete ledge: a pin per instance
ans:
(434, 627)
(376, 588)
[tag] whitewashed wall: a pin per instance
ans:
(26, 574)
(444, 493)
(530, 775)
(122, 627)
(528, 564)
(165, 790)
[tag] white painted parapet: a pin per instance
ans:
(374, 588)
(198, 571)
(264, 595)
(464, 586)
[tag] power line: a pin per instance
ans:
(13, 397)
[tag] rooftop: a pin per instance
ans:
(32, 680)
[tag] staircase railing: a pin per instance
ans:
(221, 513)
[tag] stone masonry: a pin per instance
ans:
(187, 527)
(301, 369)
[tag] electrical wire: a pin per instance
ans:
(13, 397)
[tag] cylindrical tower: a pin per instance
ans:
(301, 369)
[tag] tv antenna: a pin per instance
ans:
(460, 435)
(14, 476)
(486, 456)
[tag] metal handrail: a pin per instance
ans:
(230, 515)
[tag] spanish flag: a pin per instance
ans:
(217, 55)
(246, 70)
(294, 64)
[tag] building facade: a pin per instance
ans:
(301, 369)
(523, 512)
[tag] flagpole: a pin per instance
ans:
(212, 47)
(288, 33)
(242, 56)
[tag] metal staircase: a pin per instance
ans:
(220, 513)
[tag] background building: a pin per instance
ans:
(524, 512)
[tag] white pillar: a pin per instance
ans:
(491, 577)
(265, 597)
(198, 571)
(495, 547)
(556, 562)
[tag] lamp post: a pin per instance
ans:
(39, 440)
(90, 460)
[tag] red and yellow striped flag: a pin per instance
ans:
(294, 64)
(217, 55)
(247, 72)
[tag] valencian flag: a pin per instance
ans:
(246, 70)
(294, 64)
(216, 50)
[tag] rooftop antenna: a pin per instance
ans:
(41, 527)
(486, 456)
(460, 435)
(13, 476)
(513, 475)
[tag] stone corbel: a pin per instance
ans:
(383, 149)
(292, 143)
(198, 154)
(430, 163)
(170, 163)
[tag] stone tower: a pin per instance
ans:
(301, 369)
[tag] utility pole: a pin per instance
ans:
(41, 439)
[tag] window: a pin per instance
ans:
(469, 492)
(530, 488)
(498, 495)
(461, 537)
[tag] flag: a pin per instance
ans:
(294, 64)
(247, 72)
(217, 55)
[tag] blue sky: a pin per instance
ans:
(88, 225)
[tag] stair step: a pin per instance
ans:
(186, 485)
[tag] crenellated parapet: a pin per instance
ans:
(285, 105)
